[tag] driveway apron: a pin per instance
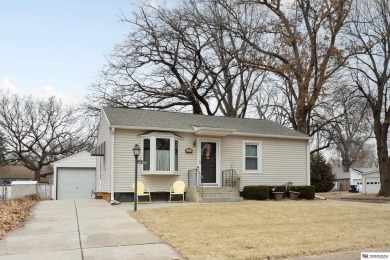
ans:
(83, 229)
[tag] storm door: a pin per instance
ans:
(208, 160)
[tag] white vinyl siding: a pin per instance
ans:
(102, 179)
(282, 160)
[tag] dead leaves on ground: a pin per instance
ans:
(14, 212)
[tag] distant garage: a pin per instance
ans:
(74, 176)
(371, 182)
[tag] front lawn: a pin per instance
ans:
(261, 229)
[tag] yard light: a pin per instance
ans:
(136, 152)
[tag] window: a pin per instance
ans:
(176, 155)
(146, 154)
(160, 153)
(252, 156)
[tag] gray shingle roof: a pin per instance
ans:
(159, 120)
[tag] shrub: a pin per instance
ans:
(260, 192)
(307, 192)
(321, 173)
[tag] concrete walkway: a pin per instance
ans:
(83, 229)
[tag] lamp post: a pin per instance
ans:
(136, 152)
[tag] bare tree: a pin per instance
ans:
(38, 133)
(353, 127)
(298, 42)
(179, 58)
(369, 31)
(3, 150)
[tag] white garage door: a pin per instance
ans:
(372, 185)
(75, 183)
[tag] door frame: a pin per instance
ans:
(217, 141)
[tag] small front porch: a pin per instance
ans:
(227, 189)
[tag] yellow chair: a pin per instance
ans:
(177, 188)
(141, 191)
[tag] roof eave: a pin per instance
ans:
(195, 131)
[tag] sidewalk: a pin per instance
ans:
(83, 229)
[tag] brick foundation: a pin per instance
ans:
(103, 195)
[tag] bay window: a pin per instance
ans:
(160, 154)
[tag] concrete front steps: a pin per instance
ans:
(213, 194)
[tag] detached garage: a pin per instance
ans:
(371, 181)
(74, 176)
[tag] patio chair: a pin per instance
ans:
(141, 192)
(177, 188)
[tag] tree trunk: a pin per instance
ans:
(37, 175)
(346, 164)
(383, 158)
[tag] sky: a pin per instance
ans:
(52, 47)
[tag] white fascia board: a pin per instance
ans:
(194, 132)
(273, 136)
(213, 131)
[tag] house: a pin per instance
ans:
(74, 176)
(342, 182)
(12, 173)
(367, 179)
(203, 151)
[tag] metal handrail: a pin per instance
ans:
(199, 176)
(230, 178)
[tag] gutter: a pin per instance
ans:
(195, 131)
(112, 167)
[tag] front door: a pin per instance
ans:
(208, 162)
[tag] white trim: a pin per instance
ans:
(308, 163)
(259, 156)
(213, 131)
(194, 131)
(217, 141)
(112, 166)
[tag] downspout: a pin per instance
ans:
(308, 162)
(112, 167)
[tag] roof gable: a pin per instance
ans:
(77, 159)
(181, 122)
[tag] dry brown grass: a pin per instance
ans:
(261, 229)
(332, 193)
(366, 197)
(13, 213)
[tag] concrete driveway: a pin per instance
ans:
(83, 229)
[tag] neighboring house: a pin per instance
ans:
(367, 179)
(342, 182)
(74, 176)
(197, 149)
(357, 178)
(12, 173)
(20, 173)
